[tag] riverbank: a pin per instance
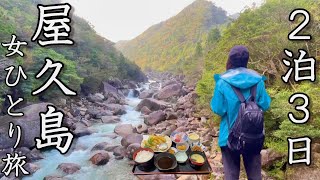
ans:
(109, 127)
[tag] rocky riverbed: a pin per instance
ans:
(109, 126)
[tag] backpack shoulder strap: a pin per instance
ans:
(253, 92)
(239, 94)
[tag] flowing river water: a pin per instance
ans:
(114, 169)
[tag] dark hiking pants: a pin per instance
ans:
(231, 164)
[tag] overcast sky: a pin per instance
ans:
(125, 19)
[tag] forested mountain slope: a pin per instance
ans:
(176, 42)
(89, 61)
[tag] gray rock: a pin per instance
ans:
(142, 128)
(35, 155)
(110, 119)
(269, 156)
(100, 158)
(152, 104)
(96, 97)
(111, 92)
(82, 132)
(117, 109)
(145, 110)
(155, 118)
(31, 168)
(146, 94)
(119, 151)
(69, 168)
(115, 82)
(170, 91)
(131, 139)
(110, 148)
(124, 129)
(97, 113)
(100, 146)
(29, 123)
(61, 102)
(171, 115)
(131, 149)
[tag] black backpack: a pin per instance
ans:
(247, 133)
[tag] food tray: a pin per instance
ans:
(180, 169)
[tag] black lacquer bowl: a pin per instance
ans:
(165, 161)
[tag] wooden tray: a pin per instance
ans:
(180, 169)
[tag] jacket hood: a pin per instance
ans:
(241, 78)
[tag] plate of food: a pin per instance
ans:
(179, 137)
(158, 143)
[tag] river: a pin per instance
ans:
(114, 169)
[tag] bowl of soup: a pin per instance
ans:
(165, 161)
(197, 159)
(193, 137)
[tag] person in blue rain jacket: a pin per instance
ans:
(226, 104)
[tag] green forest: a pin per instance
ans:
(89, 61)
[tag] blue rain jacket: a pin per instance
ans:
(225, 102)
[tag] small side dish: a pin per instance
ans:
(172, 150)
(181, 157)
(182, 147)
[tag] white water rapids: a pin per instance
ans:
(114, 169)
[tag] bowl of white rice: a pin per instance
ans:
(144, 158)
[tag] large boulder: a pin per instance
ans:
(155, 118)
(131, 139)
(29, 123)
(97, 113)
(152, 104)
(34, 155)
(100, 146)
(110, 119)
(120, 151)
(145, 110)
(82, 131)
(110, 148)
(146, 94)
(173, 90)
(124, 129)
(31, 167)
(115, 83)
(116, 108)
(69, 168)
(131, 149)
(142, 128)
(100, 158)
(269, 156)
(111, 92)
(96, 97)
